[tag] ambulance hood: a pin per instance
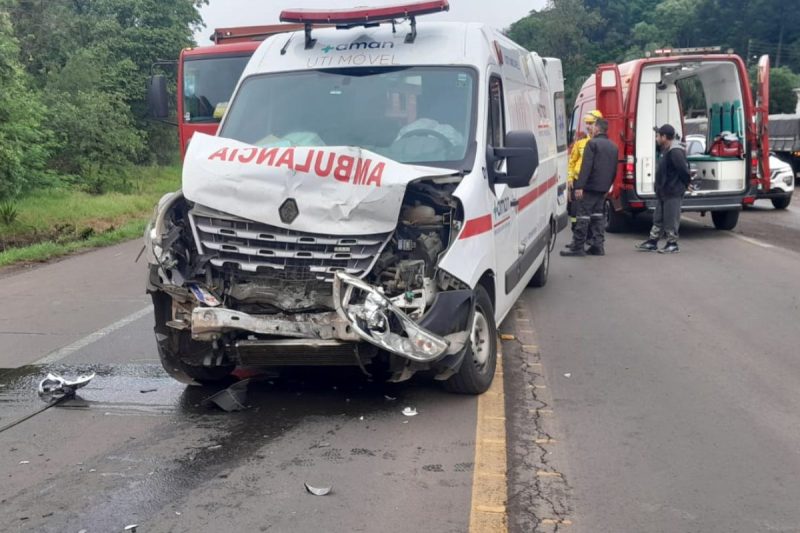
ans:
(336, 190)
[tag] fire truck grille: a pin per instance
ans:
(278, 253)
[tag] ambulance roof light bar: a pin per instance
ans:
(687, 51)
(363, 16)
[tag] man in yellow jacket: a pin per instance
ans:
(575, 160)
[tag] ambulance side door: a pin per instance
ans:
(504, 217)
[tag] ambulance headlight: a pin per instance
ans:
(378, 321)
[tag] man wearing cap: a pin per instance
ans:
(575, 160)
(597, 173)
(672, 180)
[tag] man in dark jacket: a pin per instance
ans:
(672, 180)
(599, 166)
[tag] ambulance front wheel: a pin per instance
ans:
(725, 220)
(480, 356)
(180, 355)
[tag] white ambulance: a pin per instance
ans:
(379, 194)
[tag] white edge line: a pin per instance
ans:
(752, 241)
(61, 353)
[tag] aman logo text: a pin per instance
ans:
(358, 45)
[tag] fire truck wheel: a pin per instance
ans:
(725, 220)
(480, 358)
(178, 351)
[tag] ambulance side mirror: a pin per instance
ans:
(157, 99)
(522, 159)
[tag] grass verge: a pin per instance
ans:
(59, 222)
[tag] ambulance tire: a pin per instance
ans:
(480, 356)
(175, 347)
(725, 220)
(616, 222)
(539, 279)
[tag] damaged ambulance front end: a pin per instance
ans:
(306, 256)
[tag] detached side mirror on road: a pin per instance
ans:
(522, 159)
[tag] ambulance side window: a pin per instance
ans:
(496, 122)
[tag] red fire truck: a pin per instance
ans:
(645, 93)
(207, 76)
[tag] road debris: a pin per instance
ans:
(568, 375)
(409, 411)
(215, 447)
(131, 528)
(231, 399)
(389, 398)
(55, 387)
(318, 491)
(24, 462)
(145, 391)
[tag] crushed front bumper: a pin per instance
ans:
(378, 321)
(363, 313)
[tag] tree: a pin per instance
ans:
(24, 142)
(782, 98)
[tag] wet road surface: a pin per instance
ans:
(139, 448)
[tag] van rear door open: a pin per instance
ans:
(609, 101)
(761, 151)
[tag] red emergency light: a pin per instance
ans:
(363, 16)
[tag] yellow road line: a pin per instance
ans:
(489, 495)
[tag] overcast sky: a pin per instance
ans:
(226, 13)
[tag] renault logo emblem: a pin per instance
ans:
(288, 211)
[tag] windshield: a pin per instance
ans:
(207, 86)
(410, 115)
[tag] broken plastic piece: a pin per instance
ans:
(409, 411)
(56, 387)
(231, 399)
(568, 375)
(318, 491)
(24, 462)
(390, 398)
(145, 391)
(131, 528)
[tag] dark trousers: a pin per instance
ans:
(666, 219)
(590, 226)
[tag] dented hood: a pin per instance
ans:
(336, 190)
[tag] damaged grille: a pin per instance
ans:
(258, 248)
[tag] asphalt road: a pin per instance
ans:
(643, 393)
(675, 379)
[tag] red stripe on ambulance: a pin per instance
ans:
(476, 226)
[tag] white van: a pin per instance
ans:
(377, 195)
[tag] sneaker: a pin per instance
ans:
(595, 250)
(650, 245)
(670, 248)
(573, 252)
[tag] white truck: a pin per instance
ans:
(379, 194)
